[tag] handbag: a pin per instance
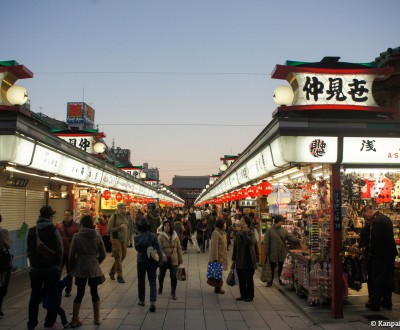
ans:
(42, 249)
(181, 276)
(152, 254)
(5, 260)
(266, 273)
(214, 270)
(231, 279)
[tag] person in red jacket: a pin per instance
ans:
(67, 228)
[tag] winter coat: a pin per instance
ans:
(178, 228)
(382, 246)
(87, 252)
(142, 242)
(171, 247)
(154, 220)
(245, 250)
(67, 232)
(218, 248)
(51, 237)
(275, 243)
(113, 226)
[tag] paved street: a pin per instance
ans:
(197, 307)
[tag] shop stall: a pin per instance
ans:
(328, 127)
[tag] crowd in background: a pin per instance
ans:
(81, 245)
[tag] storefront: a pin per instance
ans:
(326, 133)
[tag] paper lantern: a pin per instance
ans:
(242, 193)
(106, 194)
(252, 191)
(234, 196)
(264, 188)
(127, 199)
(118, 197)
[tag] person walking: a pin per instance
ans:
(45, 253)
(102, 226)
(172, 249)
(87, 252)
(118, 228)
(154, 218)
(67, 228)
(143, 240)
(275, 246)
(381, 255)
(245, 256)
(5, 272)
(218, 248)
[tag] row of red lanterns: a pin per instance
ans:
(127, 198)
(262, 189)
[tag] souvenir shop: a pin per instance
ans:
(324, 155)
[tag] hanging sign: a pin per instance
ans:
(46, 160)
(371, 150)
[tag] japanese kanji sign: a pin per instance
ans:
(349, 89)
(371, 150)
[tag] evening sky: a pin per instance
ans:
(171, 62)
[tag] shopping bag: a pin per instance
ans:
(214, 270)
(181, 276)
(231, 280)
(266, 274)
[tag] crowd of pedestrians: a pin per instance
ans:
(82, 245)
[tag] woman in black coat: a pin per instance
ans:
(245, 255)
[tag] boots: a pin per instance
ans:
(96, 312)
(219, 290)
(75, 316)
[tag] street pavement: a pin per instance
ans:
(197, 306)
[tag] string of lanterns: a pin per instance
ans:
(264, 188)
(119, 197)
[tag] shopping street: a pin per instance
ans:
(197, 307)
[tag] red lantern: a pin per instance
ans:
(264, 188)
(234, 196)
(106, 194)
(242, 193)
(228, 197)
(127, 199)
(118, 197)
(252, 191)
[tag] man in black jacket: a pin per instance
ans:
(45, 264)
(381, 255)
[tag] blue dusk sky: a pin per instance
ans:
(171, 62)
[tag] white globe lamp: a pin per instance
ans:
(283, 95)
(99, 147)
(17, 95)
(223, 167)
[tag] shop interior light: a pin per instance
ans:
(283, 179)
(62, 180)
(285, 173)
(297, 175)
(317, 168)
(13, 169)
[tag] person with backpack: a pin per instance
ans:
(45, 253)
(118, 228)
(145, 263)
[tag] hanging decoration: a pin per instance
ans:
(252, 191)
(106, 194)
(118, 197)
(264, 188)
